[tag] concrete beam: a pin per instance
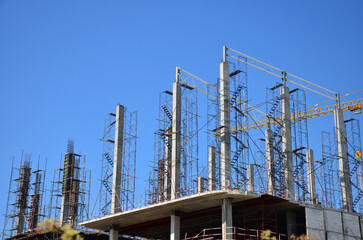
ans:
(176, 134)
(175, 226)
(286, 139)
(227, 224)
(250, 178)
(270, 162)
(225, 125)
(343, 160)
(311, 175)
(212, 168)
(116, 203)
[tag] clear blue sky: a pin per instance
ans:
(65, 64)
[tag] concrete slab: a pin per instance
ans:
(157, 211)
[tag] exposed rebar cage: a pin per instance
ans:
(69, 194)
(128, 168)
(23, 213)
(70, 186)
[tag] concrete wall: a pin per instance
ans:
(328, 224)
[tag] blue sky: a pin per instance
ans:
(65, 64)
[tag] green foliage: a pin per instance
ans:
(70, 234)
(266, 235)
(52, 225)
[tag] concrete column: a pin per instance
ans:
(201, 187)
(113, 235)
(291, 223)
(175, 226)
(343, 160)
(175, 149)
(167, 163)
(270, 162)
(250, 178)
(286, 139)
(225, 125)
(212, 168)
(311, 175)
(227, 223)
(117, 160)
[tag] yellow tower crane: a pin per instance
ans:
(353, 106)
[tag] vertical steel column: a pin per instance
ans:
(270, 162)
(286, 139)
(343, 158)
(176, 135)
(225, 123)
(212, 168)
(311, 175)
(116, 203)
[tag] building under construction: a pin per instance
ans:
(260, 172)
(24, 207)
(67, 199)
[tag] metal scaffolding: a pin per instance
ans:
(355, 172)
(240, 146)
(69, 194)
(23, 214)
(128, 168)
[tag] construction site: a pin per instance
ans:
(223, 168)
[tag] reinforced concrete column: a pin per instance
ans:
(117, 159)
(227, 224)
(175, 226)
(113, 235)
(225, 123)
(250, 178)
(167, 167)
(343, 160)
(212, 168)
(291, 223)
(286, 139)
(175, 142)
(311, 175)
(270, 162)
(201, 187)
